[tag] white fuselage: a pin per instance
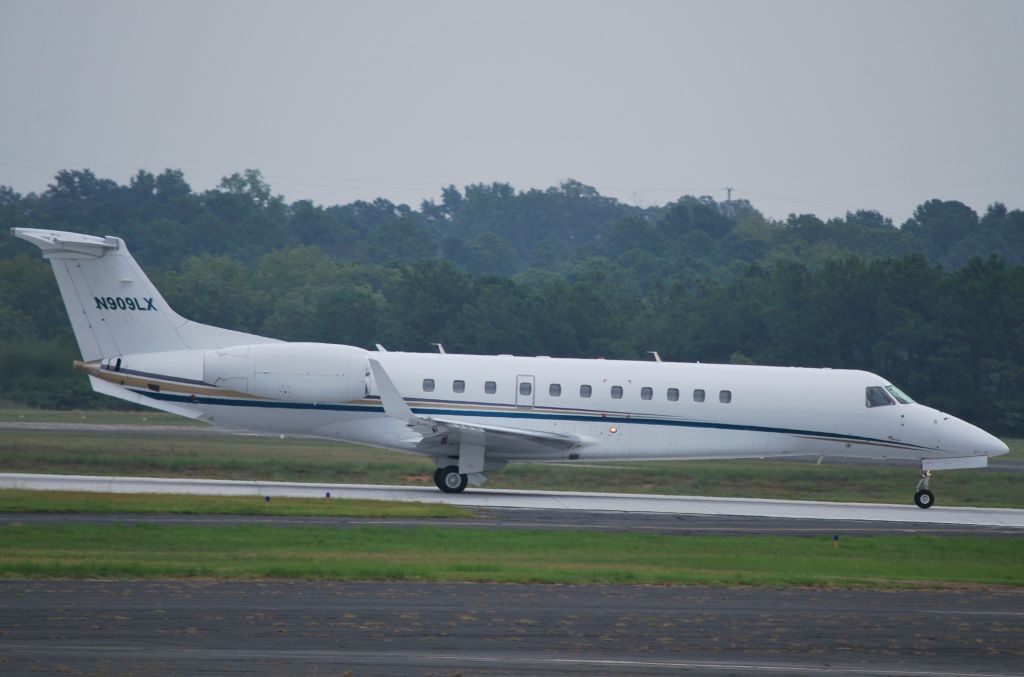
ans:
(635, 410)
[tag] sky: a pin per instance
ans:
(801, 107)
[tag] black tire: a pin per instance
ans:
(449, 480)
(924, 499)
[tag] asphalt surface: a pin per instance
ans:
(202, 627)
(565, 520)
(565, 501)
(1001, 464)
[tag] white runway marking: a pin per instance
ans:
(546, 500)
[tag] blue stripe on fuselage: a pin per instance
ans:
(521, 415)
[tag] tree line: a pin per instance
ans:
(936, 305)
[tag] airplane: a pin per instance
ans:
(474, 414)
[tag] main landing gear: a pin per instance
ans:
(924, 498)
(449, 480)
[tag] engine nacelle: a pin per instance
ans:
(296, 372)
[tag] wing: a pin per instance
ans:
(469, 436)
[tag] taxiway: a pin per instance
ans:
(296, 627)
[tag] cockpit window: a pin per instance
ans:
(877, 397)
(900, 396)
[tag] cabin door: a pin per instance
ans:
(524, 390)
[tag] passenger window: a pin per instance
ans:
(428, 385)
(616, 392)
(698, 395)
(459, 386)
(585, 391)
(490, 387)
(646, 393)
(673, 394)
(525, 388)
(725, 396)
(555, 390)
(875, 396)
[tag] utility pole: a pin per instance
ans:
(727, 208)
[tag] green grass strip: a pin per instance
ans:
(109, 416)
(503, 555)
(14, 500)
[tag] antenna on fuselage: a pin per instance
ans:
(381, 348)
(657, 357)
(440, 348)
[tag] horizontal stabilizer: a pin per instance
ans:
(61, 244)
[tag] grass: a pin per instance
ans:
(777, 480)
(26, 415)
(266, 458)
(18, 501)
(435, 554)
(1016, 452)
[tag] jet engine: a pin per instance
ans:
(295, 372)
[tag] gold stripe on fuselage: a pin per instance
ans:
(159, 385)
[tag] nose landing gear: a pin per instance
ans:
(924, 498)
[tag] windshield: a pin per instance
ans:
(875, 396)
(900, 396)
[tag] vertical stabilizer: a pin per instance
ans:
(113, 307)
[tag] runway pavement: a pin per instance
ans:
(201, 627)
(548, 520)
(543, 500)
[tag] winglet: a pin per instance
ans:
(394, 405)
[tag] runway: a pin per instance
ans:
(200, 627)
(565, 502)
(547, 520)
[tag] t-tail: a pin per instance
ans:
(114, 308)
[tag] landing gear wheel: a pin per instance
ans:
(924, 498)
(449, 480)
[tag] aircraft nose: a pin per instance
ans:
(987, 444)
(961, 436)
(994, 446)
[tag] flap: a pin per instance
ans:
(540, 436)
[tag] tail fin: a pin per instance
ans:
(114, 308)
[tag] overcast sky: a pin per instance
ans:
(810, 106)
